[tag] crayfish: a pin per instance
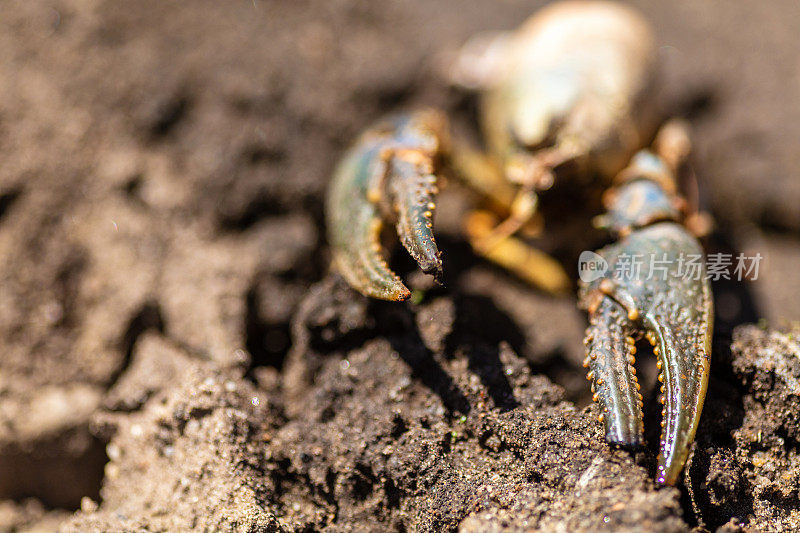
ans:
(567, 96)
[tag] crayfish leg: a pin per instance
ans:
(531, 265)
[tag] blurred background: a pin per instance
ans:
(163, 167)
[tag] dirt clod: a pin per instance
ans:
(177, 356)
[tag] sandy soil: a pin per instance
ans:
(175, 355)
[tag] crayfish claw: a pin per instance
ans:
(389, 175)
(655, 271)
(675, 312)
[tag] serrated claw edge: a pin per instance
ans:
(610, 359)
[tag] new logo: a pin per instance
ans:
(591, 266)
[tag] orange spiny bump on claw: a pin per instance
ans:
(607, 286)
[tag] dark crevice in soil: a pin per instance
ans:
(165, 114)
(260, 153)
(473, 313)
(59, 481)
(132, 189)
(696, 103)
(149, 317)
(7, 199)
(267, 343)
(261, 206)
(67, 283)
(133, 185)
